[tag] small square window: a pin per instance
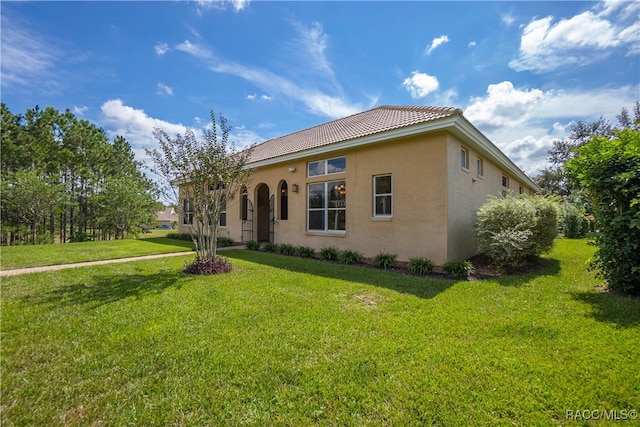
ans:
(327, 167)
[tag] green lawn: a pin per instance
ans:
(12, 257)
(289, 341)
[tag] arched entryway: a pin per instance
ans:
(265, 213)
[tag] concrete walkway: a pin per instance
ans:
(17, 271)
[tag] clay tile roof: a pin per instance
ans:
(377, 120)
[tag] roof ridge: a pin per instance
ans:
(419, 108)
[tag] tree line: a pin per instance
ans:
(63, 180)
(597, 171)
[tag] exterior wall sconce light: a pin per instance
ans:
(294, 188)
(292, 169)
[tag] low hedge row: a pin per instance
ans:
(222, 241)
(383, 260)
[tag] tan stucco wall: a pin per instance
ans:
(467, 192)
(418, 225)
(434, 200)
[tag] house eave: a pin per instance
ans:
(456, 125)
(357, 142)
(464, 130)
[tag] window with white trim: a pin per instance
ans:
(464, 158)
(505, 181)
(327, 206)
(187, 212)
(222, 220)
(327, 167)
(480, 167)
(382, 196)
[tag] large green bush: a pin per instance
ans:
(573, 221)
(545, 229)
(512, 229)
(608, 169)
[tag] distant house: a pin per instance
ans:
(402, 180)
(167, 217)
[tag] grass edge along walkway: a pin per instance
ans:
(17, 271)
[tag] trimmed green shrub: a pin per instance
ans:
(221, 241)
(457, 269)
(421, 265)
(269, 247)
(252, 245)
(350, 257)
(384, 261)
(180, 236)
(330, 253)
(285, 249)
(512, 229)
(224, 242)
(305, 252)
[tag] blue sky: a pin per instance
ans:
(522, 72)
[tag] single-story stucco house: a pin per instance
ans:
(397, 179)
(167, 217)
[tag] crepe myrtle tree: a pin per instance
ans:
(204, 175)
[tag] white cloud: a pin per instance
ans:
(134, 125)
(243, 137)
(254, 97)
(523, 122)
(236, 5)
(506, 105)
(312, 43)
(163, 89)
(471, 44)
(437, 42)
(194, 49)
(420, 85)
(27, 57)
(161, 48)
(546, 45)
(137, 128)
(315, 101)
(503, 105)
(266, 125)
(79, 111)
(508, 19)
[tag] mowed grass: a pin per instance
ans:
(12, 257)
(290, 341)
